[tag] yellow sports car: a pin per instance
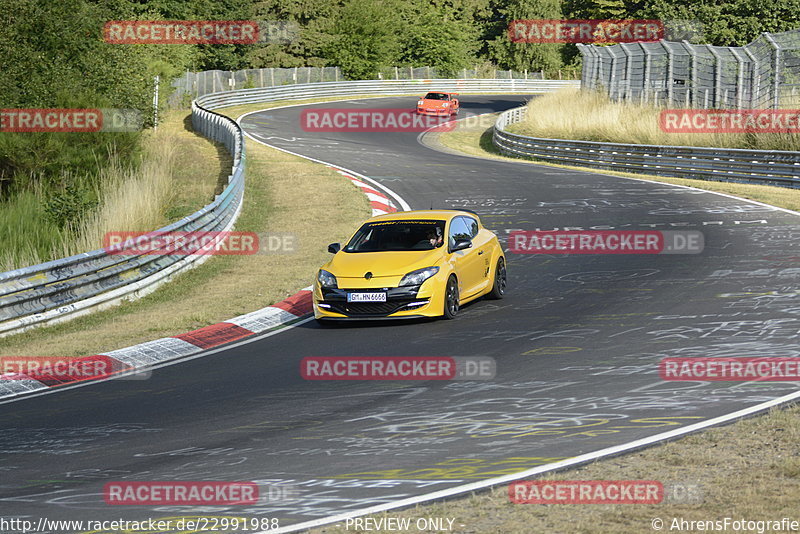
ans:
(423, 263)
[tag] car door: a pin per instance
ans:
(467, 263)
(481, 243)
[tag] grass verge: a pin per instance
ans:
(137, 196)
(279, 188)
(592, 116)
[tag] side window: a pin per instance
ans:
(472, 224)
(458, 230)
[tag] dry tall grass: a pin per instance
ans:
(592, 116)
(130, 199)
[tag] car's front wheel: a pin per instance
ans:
(451, 298)
(499, 287)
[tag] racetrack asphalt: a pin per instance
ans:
(577, 342)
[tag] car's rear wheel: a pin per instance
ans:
(451, 298)
(500, 275)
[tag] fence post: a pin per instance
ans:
(670, 71)
(776, 75)
(717, 76)
(647, 66)
(612, 77)
(739, 76)
(272, 76)
(628, 95)
(585, 65)
(754, 80)
(598, 68)
(693, 74)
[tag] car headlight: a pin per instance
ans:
(420, 102)
(326, 279)
(415, 278)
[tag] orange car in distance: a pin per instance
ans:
(438, 104)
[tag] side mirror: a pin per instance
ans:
(461, 244)
(333, 248)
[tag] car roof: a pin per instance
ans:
(438, 214)
(442, 93)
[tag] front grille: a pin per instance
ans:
(368, 309)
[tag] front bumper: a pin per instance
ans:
(443, 112)
(406, 302)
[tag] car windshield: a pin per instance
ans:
(436, 96)
(399, 235)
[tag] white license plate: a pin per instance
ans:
(366, 297)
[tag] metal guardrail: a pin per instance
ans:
(383, 87)
(66, 288)
(197, 84)
(766, 167)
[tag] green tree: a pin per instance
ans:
(314, 19)
(436, 37)
(367, 37)
(520, 56)
(732, 22)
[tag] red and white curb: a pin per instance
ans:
(136, 360)
(150, 353)
(378, 201)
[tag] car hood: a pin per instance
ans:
(381, 264)
(438, 103)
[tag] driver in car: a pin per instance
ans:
(435, 237)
